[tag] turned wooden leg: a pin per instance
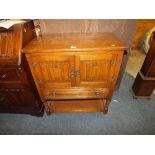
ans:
(48, 107)
(105, 111)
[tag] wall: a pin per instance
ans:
(50, 26)
(143, 25)
(123, 29)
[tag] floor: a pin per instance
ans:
(126, 116)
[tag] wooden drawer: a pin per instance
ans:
(16, 97)
(13, 78)
(82, 93)
(9, 74)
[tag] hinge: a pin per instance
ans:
(33, 64)
(39, 82)
(116, 62)
(112, 79)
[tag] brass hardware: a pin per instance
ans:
(33, 64)
(11, 90)
(20, 70)
(3, 76)
(77, 73)
(113, 79)
(2, 99)
(72, 46)
(25, 30)
(54, 94)
(72, 74)
(3, 54)
(98, 94)
(116, 62)
(39, 82)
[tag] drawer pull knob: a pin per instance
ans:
(73, 47)
(98, 94)
(2, 99)
(3, 76)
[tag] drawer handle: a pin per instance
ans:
(3, 76)
(11, 90)
(72, 74)
(25, 30)
(3, 55)
(2, 99)
(77, 73)
(98, 94)
(54, 94)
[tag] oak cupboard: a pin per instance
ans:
(75, 72)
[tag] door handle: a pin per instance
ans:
(3, 76)
(72, 74)
(2, 99)
(77, 73)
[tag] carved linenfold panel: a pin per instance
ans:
(55, 71)
(95, 70)
(6, 45)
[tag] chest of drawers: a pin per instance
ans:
(17, 93)
(75, 72)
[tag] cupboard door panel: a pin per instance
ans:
(95, 70)
(17, 98)
(52, 71)
(6, 45)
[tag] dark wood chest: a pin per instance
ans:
(17, 92)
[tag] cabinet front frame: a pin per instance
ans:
(76, 54)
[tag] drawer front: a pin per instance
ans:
(16, 97)
(7, 74)
(76, 93)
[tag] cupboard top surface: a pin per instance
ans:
(74, 42)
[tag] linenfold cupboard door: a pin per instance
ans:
(52, 71)
(95, 70)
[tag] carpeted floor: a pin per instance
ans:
(126, 116)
